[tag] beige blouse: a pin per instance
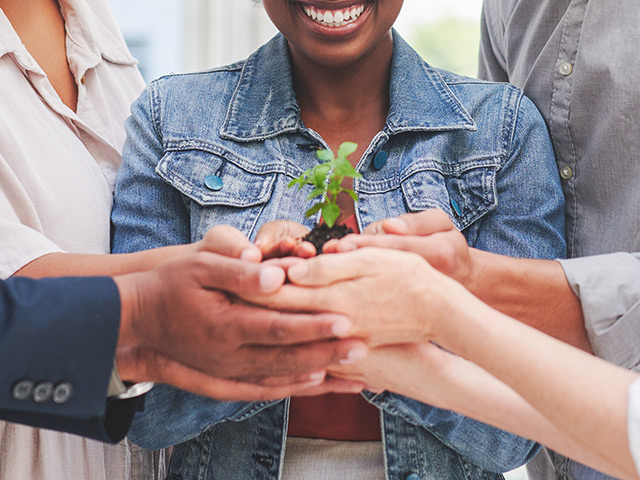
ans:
(57, 173)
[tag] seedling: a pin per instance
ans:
(327, 179)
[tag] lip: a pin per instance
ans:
(334, 32)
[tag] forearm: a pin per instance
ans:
(536, 292)
(580, 394)
(473, 392)
(76, 264)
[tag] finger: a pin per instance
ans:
(330, 269)
(278, 235)
(230, 242)
(283, 361)
(439, 249)
(231, 275)
(317, 375)
(331, 385)
(374, 228)
(257, 326)
(421, 223)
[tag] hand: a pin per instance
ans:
(180, 311)
(418, 371)
(149, 365)
(230, 242)
(282, 238)
(389, 296)
(430, 234)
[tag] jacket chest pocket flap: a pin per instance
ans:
(216, 178)
(465, 191)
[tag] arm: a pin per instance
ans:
(575, 392)
(45, 339)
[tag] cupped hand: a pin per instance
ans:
(188, 310)
(430, 234)
(283, 238)
(155, 367)
(390, 296)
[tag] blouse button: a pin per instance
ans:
(213, 182)
(565, 68)
(566, 173)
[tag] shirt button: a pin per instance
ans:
(43, 391)
(63, 392)
(413, 476)
(566, 173)
(213, 182)
(22, 389)
(565, 68)
(380, 160)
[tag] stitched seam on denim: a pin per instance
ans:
(241, 162)
(156, 107)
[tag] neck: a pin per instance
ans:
(336, 94)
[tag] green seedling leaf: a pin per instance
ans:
(330, 213)
(317, 192)
(346, 149)
(327, 179)
(351, 193)
(325, 155)
(320, 175)
(313, 210)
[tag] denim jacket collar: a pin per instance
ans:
(264, 104)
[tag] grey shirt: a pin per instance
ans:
(578, 61)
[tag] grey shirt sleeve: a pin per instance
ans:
(608, 287)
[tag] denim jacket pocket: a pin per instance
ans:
(466, 191)
(219, 188)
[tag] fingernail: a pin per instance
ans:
(341, 327)
(298, 271)
(317, 376)
(251, 254)
(356, 353)
(397, 225)
(271, 278)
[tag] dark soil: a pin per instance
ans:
(321, 234)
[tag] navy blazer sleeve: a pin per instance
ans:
(57, 344)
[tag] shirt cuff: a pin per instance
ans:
(608, 287)
(634, 422)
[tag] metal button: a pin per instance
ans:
(413, 476)
(22, 390)
(380, 160)
(82, 80)
(43, 391)
(213, 182)
(565, 68)
(63, 392)
(566, 172)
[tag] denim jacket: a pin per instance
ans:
(479, 151)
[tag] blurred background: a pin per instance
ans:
(185, 35)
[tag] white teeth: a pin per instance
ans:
(334, 18)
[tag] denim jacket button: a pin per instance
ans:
(213, 182)
(380, 160)
(413, 476)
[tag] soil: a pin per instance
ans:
(321, 234)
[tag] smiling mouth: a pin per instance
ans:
(335, 18)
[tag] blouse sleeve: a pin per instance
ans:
(634, 422)
(20, 240)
